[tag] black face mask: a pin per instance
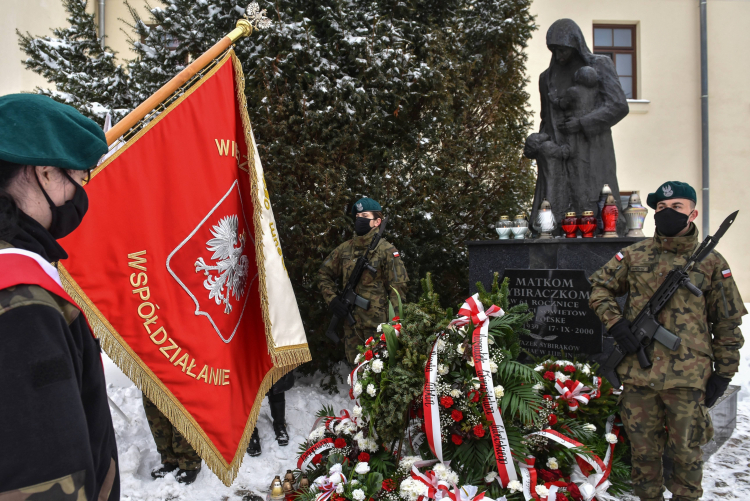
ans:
(67, 217)
(669, 222)
(362, 226)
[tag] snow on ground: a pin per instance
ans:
(726, 474)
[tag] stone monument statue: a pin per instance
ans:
(581, 100)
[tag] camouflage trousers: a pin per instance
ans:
(675, 421)
(356, 336)
(170, 443)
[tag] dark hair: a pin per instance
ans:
(376, 214)
(8, 206)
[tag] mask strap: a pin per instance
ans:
(52, 205)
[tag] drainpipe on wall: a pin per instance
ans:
(704, 113)
(101, 22)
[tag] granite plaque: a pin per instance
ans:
(563, 321)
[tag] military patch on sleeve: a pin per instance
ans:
(396, 254)
(619, 256)
(726, 273)
(639, 268)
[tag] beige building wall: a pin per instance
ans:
(660, 140)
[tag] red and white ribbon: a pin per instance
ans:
(467, 493)
(430, 403)
(328, 487)
(528, 477)
(473, 311)
(436, 489)
(353, 376)
(578, 392)
(592, 461)
(319, 447)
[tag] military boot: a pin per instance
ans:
(253, 448)
(279, 422)
(163, 470)
(187, 477)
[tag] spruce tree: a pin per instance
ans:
(85, 75)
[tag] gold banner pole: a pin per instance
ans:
(244, 28)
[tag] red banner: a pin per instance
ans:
(179, 269)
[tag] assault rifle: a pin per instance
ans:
(645, 327)
(348, 295)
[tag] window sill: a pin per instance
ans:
(639, 106)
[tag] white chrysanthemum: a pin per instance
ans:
(461, 349)
(357, 389)
(377, 366)
(357, 411)
(362, 468)
(359, 436)
(442, 369)
(552, 464)
(611, 438)
(561, 377)
(356, 359)
(541, 491)
(476, 383)
(407, 462)
(411, 489)
(348, 428)
(317, 434)
(371, 390)
(539, 368)
(499, 392)
(358, 495)
(455, 393)
(589, 427)
(493, 367)
(340, 489)
(440, 345)
(515, 486)
(538, 386)
(490, 477)
(586, 369)
(452, 478)
(442, 472)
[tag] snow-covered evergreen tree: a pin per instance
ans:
(85, 75)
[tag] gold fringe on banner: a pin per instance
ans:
(285, 359)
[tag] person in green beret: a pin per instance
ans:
(376, 287)
(56, 433)
(665, 407)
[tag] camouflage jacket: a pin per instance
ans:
(707, 325)
(375, 287)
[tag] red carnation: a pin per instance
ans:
(369, 340)
(340, 443)
(574, 491)
(474, 396)
(395, 319)
(549, 376)
(368, 355)
(547, 475)
(457, 415)
(547, 397)
(389, 485)
(317, 458)
(552, 419)
(382, 337)
(570, 368)
(457, 439)
(479, 430)
(363, 457)
(446, 401)
(397, 327)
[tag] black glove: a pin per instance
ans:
(715, 388)
(338, 307)
(621, 332)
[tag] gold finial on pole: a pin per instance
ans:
(254, 19)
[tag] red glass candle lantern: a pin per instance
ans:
(587, 224)
(610, 213)
(570, 225)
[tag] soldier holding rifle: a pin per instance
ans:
(386, 272)
(666, 403)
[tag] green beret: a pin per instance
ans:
(37, 130)
(365, 205)
(670, 190)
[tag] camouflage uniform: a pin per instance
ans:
(170, 443)
(663, 406)
(391, 273)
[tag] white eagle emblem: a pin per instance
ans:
(360, 207)
(667, 190)
(232, 266)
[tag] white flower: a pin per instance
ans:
(552, 464)
(455, 393)
(357, 389)
(541, 491)
(538, 386)
(407, 462)
(340, 489)
(354, 482)
(320, 480)
(470, 362)
(317, 434)
(586, 369)
(440, 345)
(539, 368)
(380, 328)
(348, 428)
(589, 427)
(336, 478)
(611, 438)
(362, 468)
(335, 469)
(493, 366)
(358, 494)
(490, 477)
(411, 489)
(357, 411)
(561, 377)
(460, 348)
(371, 390)
(476, 383)
(499, 392)
(384, 354)
(356, 359)
(442, 369)
(490, 341)
(377, 366)
(359, 436)
(515, 486)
